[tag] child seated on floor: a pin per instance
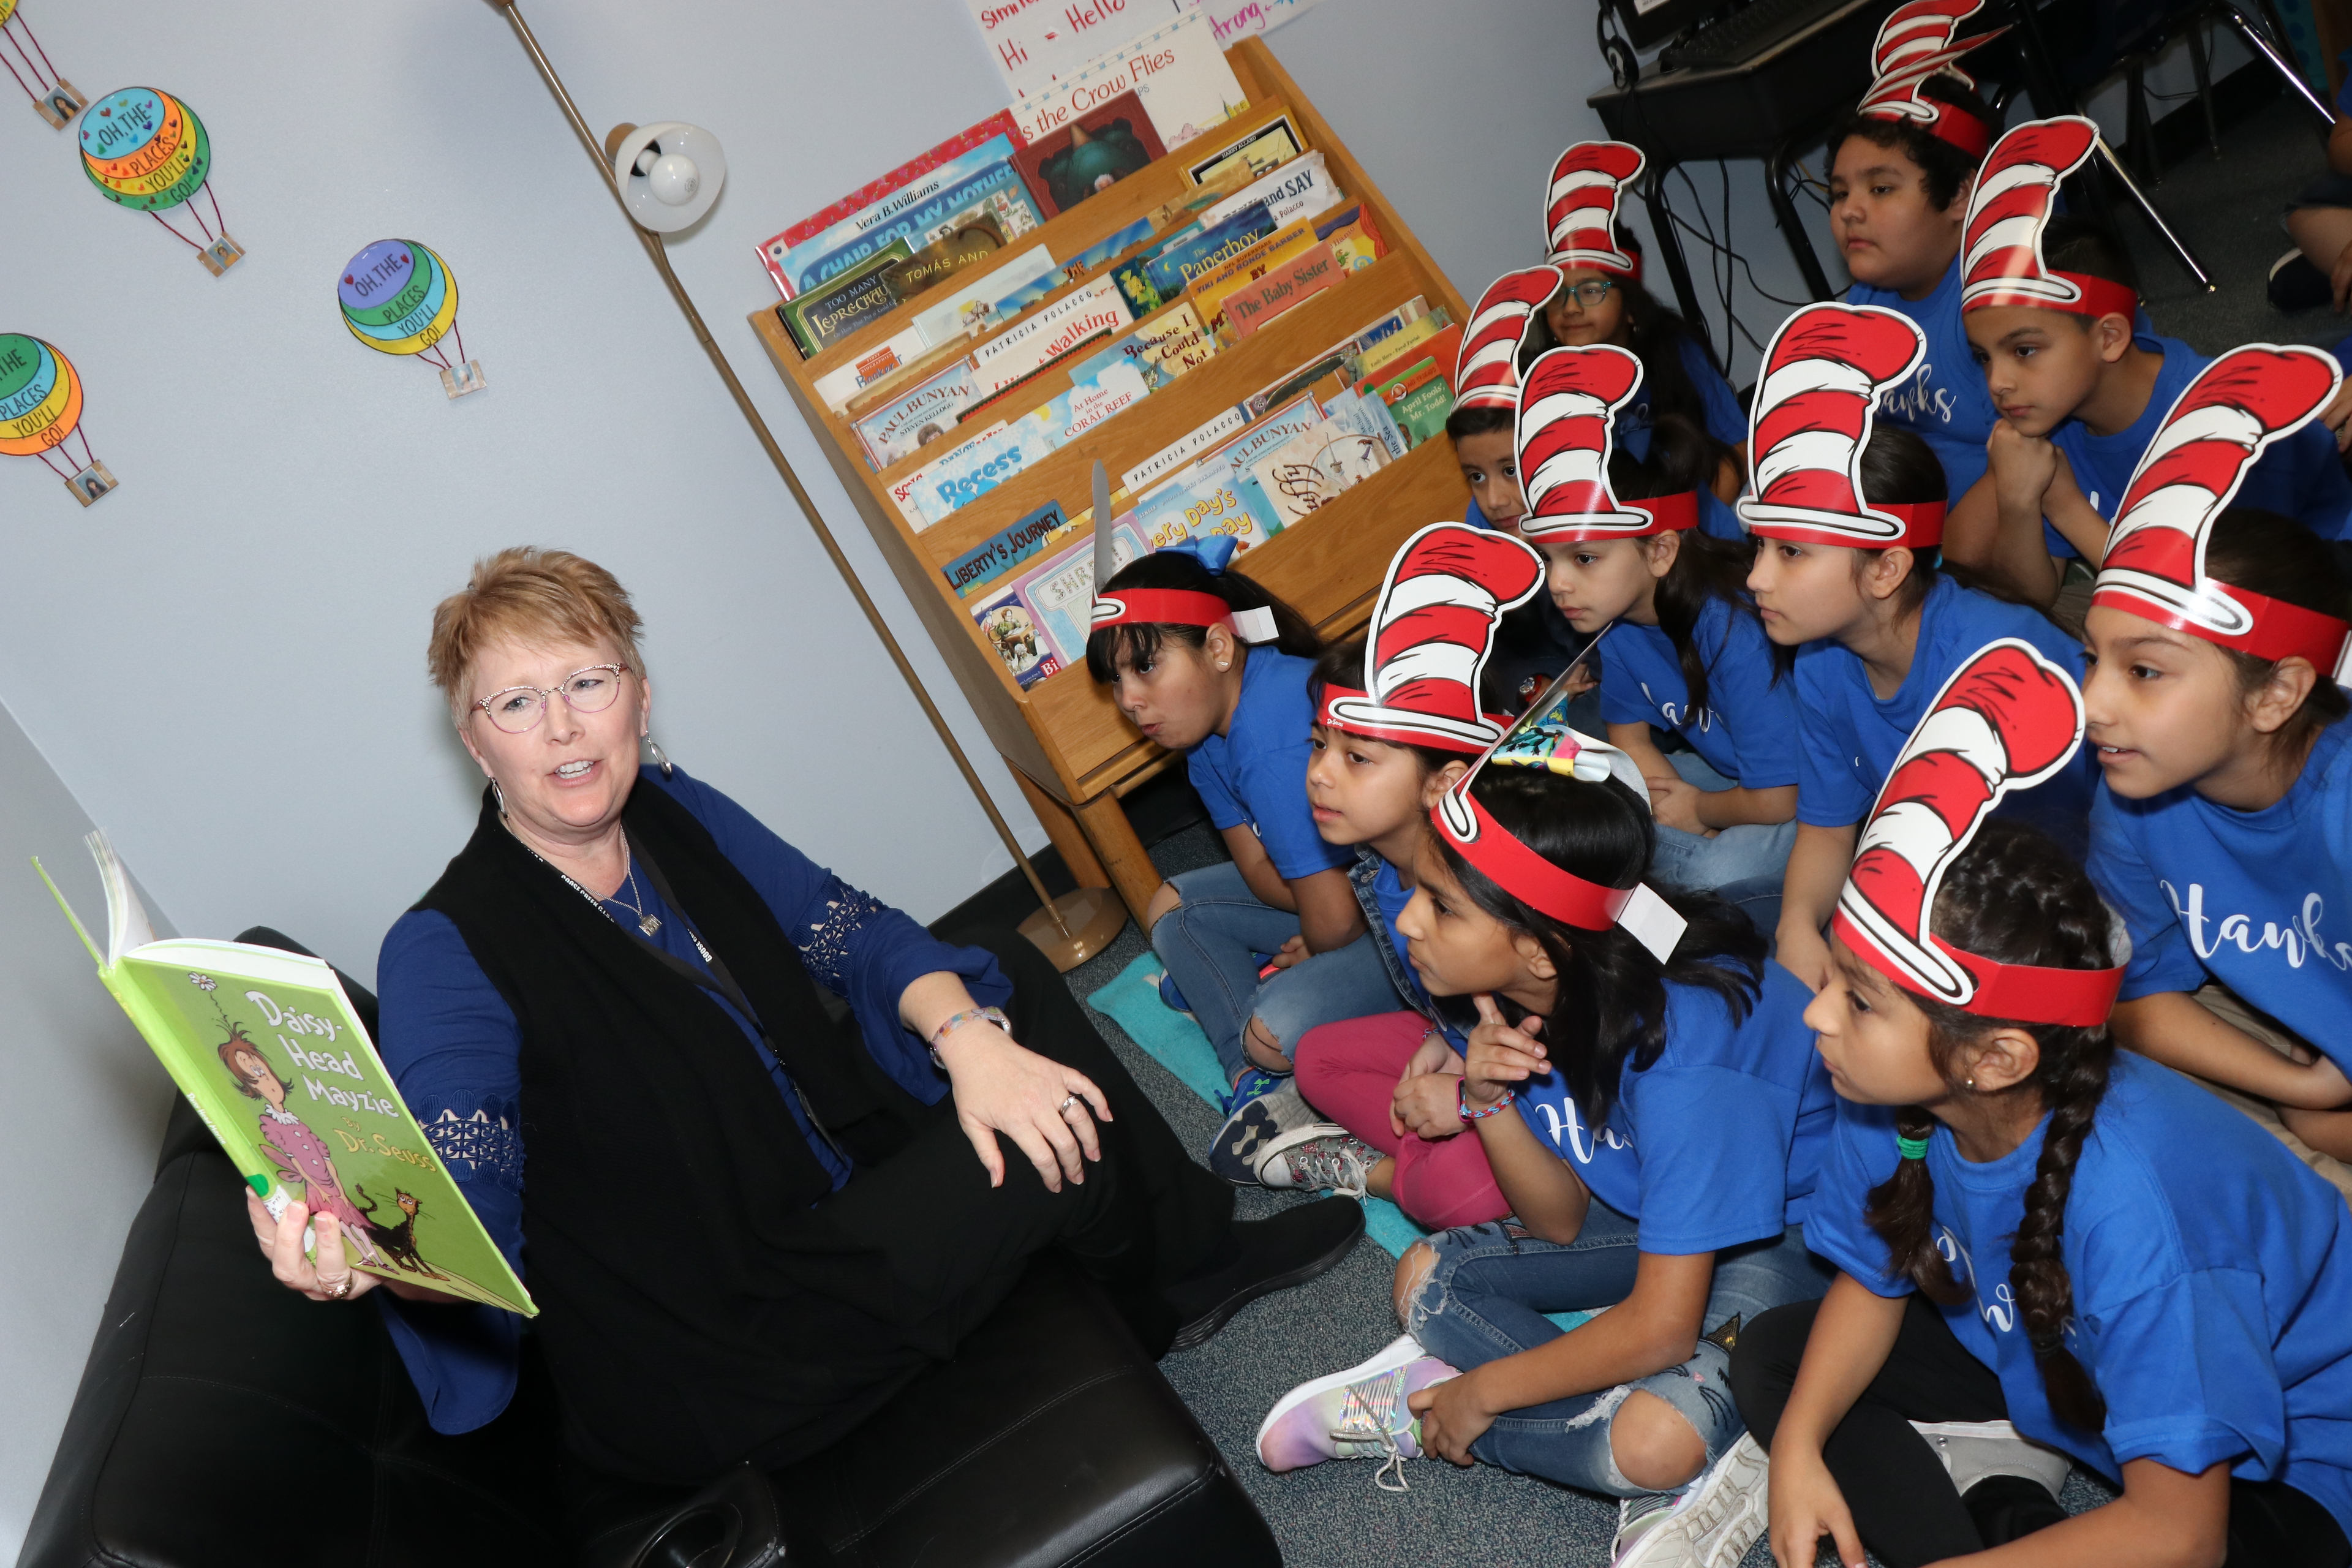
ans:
(1848, 515)
(1683, 649)
(2223, 832)
(2048, 1251)
(1204, 661)
(1650, 1109)
(2048, 305)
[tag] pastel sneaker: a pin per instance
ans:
(1359, 1414)
(1710, 1523)
(1171, 998)
(1257, 1126)
(1322, 1156)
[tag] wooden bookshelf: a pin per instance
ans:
(1073, 751)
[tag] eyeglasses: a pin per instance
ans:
(517, 709)
(1589, 293)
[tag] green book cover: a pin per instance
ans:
(265, 1046)
(817, 319)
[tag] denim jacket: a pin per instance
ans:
(1401, 974)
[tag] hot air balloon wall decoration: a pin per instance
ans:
(147, 150)
(55, 99)
(40, 409)
(400, 298)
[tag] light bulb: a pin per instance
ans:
(674, 179)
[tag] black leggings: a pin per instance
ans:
(1904, 1505)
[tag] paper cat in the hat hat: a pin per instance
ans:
(1816, 401)
(1580, 207)
(2223, 423)
(2016, 193)
(2007, 720)
(1430, 632)
(1566, 436)
(1916, 44)
(1487, 372)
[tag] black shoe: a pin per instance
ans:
(2296, 285)
(2010, 1507)
(1262, 1257)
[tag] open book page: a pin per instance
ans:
(267, 1048)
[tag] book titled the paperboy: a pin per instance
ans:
(265, 1046)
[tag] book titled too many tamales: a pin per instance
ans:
(266, 1047)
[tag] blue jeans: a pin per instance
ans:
(1749, 853)
(1210, 943)
(1487, 1299)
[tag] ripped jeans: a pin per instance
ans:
(1486, 1297)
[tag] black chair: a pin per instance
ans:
(223, 1420)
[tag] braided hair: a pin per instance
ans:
(2014, 897)
(1611, 1001)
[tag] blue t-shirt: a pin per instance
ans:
(1390, 893)
(1748, 730)
(453, 1046)
(1255, 777)
(2259, 900)
(1851, 738)
(1944, 402)
(1724, 418)
(2212, 1275)
(2301, 477)
(1716, 1141)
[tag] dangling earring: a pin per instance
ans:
(660, 760)
(498, 795)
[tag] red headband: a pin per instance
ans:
(1178, 607)
(1396, 734)
(1529, 877)
(1923, 527)
(2278, 630)
(1955, 127)
(1667, 514)
(2024, 992)
(2095, 297)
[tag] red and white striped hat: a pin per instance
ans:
(1580, 207)
(1567, 433)
(1815, 402)
(1912, 45)
(1487, 372)
(1431, 630)
(2224, 422)
(2007, 720)
(2001, 246)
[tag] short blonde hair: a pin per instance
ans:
(528, 595)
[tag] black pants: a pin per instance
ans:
(915, 1252)
(1904, 1505)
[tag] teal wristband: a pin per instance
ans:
(1911, 1148)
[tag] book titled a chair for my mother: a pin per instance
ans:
(265, 1046)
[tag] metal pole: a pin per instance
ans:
(659, 254)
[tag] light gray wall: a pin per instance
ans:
(86, 1104)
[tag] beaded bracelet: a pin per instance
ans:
(968, 1015)
(1462, 1091)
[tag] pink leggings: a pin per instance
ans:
(1349, 1071)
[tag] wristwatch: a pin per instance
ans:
(958, 1020)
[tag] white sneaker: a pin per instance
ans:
(1320, 1156)
(1971, 1450)
(1359, 1413)
(1710, 1523)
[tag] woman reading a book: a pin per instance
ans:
(785, 1148)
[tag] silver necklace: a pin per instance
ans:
(646, 922)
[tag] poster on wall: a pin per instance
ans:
(400, 298)
(40, 411)
(147, 150)
(1237, 19)
(55, 98)
(1034, 41)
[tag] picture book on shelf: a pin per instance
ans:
(980, 184)
(267, 1048)
(1259, 151)
(1058, 594)
(972, 571)
(823, 316)
(917, 415)
(1202, 502)
(1013, 633)
(901, 350)
(977, 244)
(965, 306)
(1089, 154)
(1285, 286)
(1167, 273)
(1078, 267)
(1162, 348)
(1184, 449)
(1177, 71)
(773, 249)
(1300, 188)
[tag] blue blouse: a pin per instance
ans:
(452, 1045)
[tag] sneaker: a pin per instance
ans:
(1253, 1129)
(1171, 998)
(1971, 1450)
(1710, 1523)
(1255, 1083)
(2296, 285)
(1359, 1414)
(1262, 1257)
(1323, 1157)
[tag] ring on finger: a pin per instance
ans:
(339, 1290)
(1067, 1100)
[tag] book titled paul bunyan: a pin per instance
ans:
(265, 1046)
